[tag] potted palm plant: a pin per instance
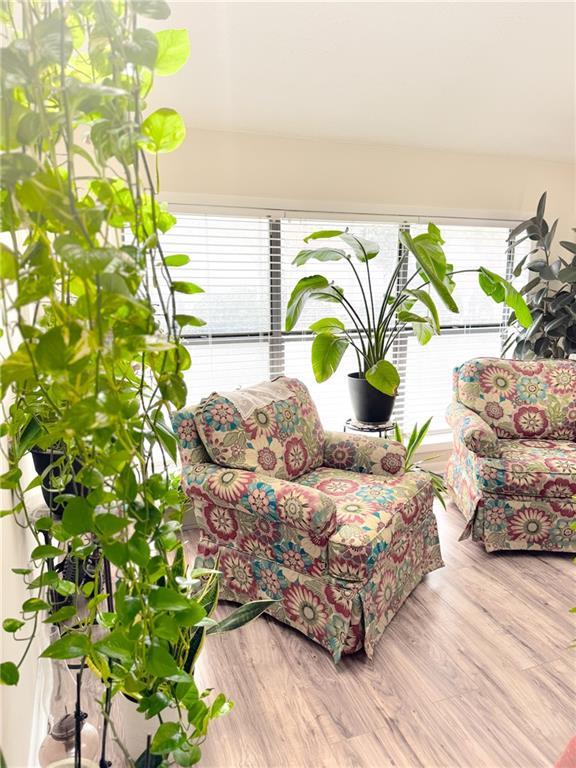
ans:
(407, 303)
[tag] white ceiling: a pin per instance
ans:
(496, 77)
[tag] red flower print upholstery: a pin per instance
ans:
(472, 430)
(368, 510)
(339, 547)
(271, 428)
(358, 453)
(518, 491)
(540, 468)
(521, 399)
(306, 509)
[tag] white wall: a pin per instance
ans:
(242, 168)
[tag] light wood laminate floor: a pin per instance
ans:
(474, 672)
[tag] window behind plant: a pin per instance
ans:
(245, 265)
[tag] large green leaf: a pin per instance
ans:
(327, 351)
(162, 664)
(384, 377)
(303, 290)
(363, 249)
(8, 263)
(501, 290)
(16, 368)
(12, 625)
(116, 645)
(323, 234)
(51, 352)
(9, 674)
(168, 737)
(186, 287)
(320, 254)
(15, 167)
(164, 129)
(165, 599)
(240, 616)
(426, 250)
(423, 332)
(173, 50)
(425, 298)
(68, 647)
(78, 516)
(143, 48)
(327, 324)
(184, 320)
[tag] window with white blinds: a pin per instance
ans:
(244, 264)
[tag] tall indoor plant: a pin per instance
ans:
(94, 363)
(550, 291)
(376, 324)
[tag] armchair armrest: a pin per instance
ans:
(471, 429)
(280, 501)
(357, 453)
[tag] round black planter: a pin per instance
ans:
(42, 461)
(369, 404)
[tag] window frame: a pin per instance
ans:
(276, 337)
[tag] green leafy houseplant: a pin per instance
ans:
(415, 440)
(377, 323)
(550, 292)
(94, 363)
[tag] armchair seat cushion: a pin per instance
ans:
(540, 468)
(371, 512)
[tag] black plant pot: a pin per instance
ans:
(42, 461)
(369, 404)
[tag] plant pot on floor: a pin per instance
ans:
(43, 459)
(369, 404)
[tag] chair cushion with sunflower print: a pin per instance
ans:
(533, 399)
(358, 453)
(369, 509)
(472, 430)
(540, 468)
(272, 428)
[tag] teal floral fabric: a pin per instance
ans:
(358, 453)
(472, 430)
(340, 548)
(523, 495)
(521, 399)
(342, 616)
(369, 510)
(283, 438)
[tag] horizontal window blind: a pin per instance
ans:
(230, 260)
(244, 264)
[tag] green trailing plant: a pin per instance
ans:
(550, 291)
(415, 440)
(94, 362)
(375, 325)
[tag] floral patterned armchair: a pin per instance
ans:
(329, 524)
(513, 468)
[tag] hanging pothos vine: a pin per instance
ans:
(94, 362)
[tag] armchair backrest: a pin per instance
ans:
(190, 446)
(272, 428)
(520, 399)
